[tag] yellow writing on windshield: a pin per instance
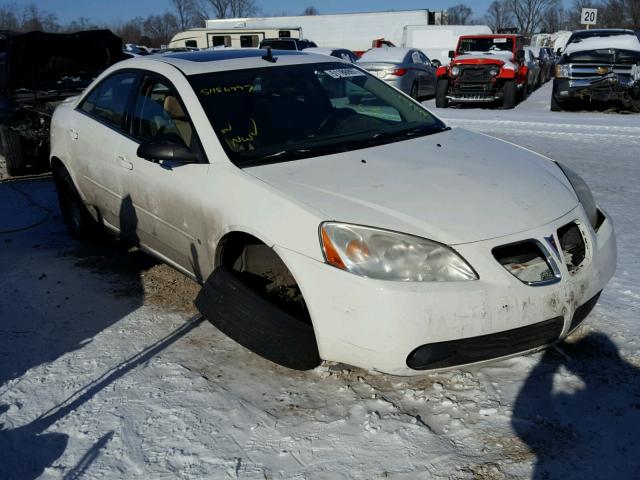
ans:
(226, 89)
(237, 141)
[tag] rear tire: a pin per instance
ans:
(79, 221)
(12, 150)
(509, 94)
(442, 88)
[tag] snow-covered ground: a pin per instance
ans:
(106, 371)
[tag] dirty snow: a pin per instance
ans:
(107, 372)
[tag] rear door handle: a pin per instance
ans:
(124, 163)
(73, 134)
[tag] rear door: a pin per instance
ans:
(97, 135)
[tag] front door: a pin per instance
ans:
(165, 198)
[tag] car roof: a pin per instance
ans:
(389, 54)
(205, 61)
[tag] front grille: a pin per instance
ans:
(485, 347)
(474, 74)
(594, 70)
(573, 247)
(528, 261)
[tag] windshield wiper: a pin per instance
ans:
(412, 132)
(285, 153)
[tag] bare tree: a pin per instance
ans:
(460, 14)
(82, 23)
(528, 13)
(311, 11)
(186, 13)
(499, 15)
(160, 28)
(554, 19)
(242, 8)
(8, 18)
(33, 18)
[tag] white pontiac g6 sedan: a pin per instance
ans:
(328, 215)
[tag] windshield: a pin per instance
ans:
(489, 44)
(283, 113)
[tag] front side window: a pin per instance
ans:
(297, 111)
(108, 101)
(159, 114)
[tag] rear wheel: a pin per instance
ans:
(12, 150)
(509, 94)
(442, 88)
(79, 222)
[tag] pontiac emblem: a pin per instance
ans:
(602, 70)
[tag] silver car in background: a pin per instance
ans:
(407, 69)
(342, 53)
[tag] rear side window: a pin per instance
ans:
(108, 101)
(249, 41)
(221, 40)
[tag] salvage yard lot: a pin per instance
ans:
(106, 370)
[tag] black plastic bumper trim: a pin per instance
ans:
(485, 347)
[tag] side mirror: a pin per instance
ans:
(166, 151)
(452, 54)
(520, 55)
(558, 51)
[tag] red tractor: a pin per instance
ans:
(483, 68)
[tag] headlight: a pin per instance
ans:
(563, 71)
(455, 71)
(494, 72)
(583, 192)
(386, 255)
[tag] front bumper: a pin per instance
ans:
(377, 324)
(609, 87)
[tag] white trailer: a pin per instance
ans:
(230, 37)
(354, 31)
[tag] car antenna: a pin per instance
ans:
(269, 56)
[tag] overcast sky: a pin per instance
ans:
(108, 10)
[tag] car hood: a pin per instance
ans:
(453, 187)
(479, 58)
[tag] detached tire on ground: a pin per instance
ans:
(12, 150)
(509, 94)
(79, 222)
(442, 88)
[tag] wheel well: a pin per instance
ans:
(259, 267)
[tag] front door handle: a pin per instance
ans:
(124, 163)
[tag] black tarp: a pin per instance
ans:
(40, 61)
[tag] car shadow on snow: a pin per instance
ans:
(591, 432)
(56, 297)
